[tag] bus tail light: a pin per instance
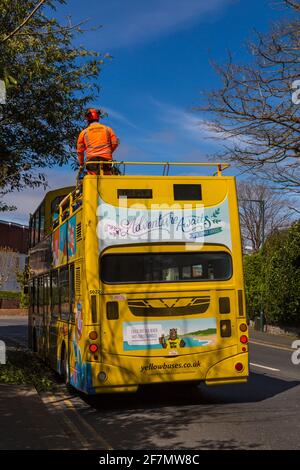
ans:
(93, 348)
(239, 367)
(112, 310)
(244, 339)
(93, 335)
(225, 328)
(243, 327)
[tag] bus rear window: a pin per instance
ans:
(165, 267)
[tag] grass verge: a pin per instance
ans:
(23, 367)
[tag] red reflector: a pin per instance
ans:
(93, 348)
(244, 349)
(244, 339)
(239, 366)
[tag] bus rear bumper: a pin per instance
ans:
(109, 378)
(234, 369)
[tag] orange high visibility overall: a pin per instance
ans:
(98, 142)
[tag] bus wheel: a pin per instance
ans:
(64, 367)
(34, 340)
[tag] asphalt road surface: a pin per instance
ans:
(262, 414)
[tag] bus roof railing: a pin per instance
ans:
(74, 199)
(166, 165)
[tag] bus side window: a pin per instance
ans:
(54, 294)
(40, 295)
(37, 226)
(55, 209)
(30, 237)
(48, 297)
(42, 222)
(46, 293)
(33, 231)
(35, 295)
(72, 292)
(64, 293)
(30, 285)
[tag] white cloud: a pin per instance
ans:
(189, 125)
(139, 21)
(118, 117)
(184, 121)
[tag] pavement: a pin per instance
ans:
(262, 414)
(13, 312)
(26, 423)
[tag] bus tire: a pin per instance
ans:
(64, 367)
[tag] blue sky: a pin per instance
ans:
(160, 69)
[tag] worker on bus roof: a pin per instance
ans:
(98, 142)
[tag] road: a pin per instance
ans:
(262, 414)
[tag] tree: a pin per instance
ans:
(22, 279)
(50, 82)
(272, 278)
(282, 278)
(262, 211)
(253, 110)
(254, 284)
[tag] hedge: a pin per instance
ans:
(8, 295)
(272, 278)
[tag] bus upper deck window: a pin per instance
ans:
(187, 192)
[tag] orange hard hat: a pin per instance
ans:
(92, 114)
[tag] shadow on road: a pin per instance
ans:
(186, 416)
(258, 388)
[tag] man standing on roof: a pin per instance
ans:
(98, 142)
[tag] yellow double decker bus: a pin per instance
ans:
(139, 280)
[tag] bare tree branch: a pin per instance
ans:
(24, 22)
(253, 112)
(277, 212)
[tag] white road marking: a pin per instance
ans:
(264, 367)
(269, 345)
